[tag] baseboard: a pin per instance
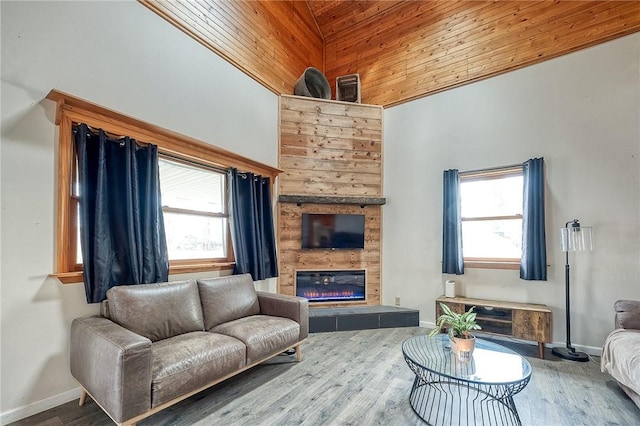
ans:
(590, 350)
(39, 406)
(427, 324)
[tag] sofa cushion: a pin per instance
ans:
(184, 363)
(227, 298)
(157, 311)
(264, 335)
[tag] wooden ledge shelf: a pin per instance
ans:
(314, 199)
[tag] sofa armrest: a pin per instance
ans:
(627, 314)
(292, 307)
(113, 365)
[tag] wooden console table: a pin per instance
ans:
(519, 320)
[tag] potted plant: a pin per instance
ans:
(459, 327)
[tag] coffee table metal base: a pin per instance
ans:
(440, 400)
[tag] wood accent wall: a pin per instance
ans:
(271, 41)
(418, 48)
(329, 148)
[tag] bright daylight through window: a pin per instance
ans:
(193, 203)
(491, 207)
(193, 206)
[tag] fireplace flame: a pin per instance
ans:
(317, 294)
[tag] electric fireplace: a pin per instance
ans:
(331, 286)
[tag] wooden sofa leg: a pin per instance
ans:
(83, 397)
(298, 353)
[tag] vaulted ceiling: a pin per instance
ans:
(402, 50)
(334, 16)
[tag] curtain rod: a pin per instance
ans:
(492, 169)
(96, 131)
(188, 161)
(161, 153)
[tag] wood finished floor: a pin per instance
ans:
(360, 378)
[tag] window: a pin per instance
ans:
(491, 208)
(195, 218)
(193, 185)
(194, 212)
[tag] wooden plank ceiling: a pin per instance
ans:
(402, 50)
(273, 41)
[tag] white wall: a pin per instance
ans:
(122, 56)
(581, 112)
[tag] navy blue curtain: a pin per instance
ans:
(121, 226)
(533, 265)
(452, 258)
(251, 217)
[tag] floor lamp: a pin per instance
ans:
(574, 238)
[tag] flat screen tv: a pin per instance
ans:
(332, 231)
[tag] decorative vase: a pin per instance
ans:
(463, 348)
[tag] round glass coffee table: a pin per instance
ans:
(474, 391)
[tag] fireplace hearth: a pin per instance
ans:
(331, 286)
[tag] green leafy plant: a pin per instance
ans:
(458, 325)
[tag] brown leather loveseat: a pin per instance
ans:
(157, 344)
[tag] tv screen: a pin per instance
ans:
(332, 231)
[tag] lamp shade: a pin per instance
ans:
(576, 237)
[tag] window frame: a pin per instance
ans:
(491, 174)
(224, 214)
(71, 111)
